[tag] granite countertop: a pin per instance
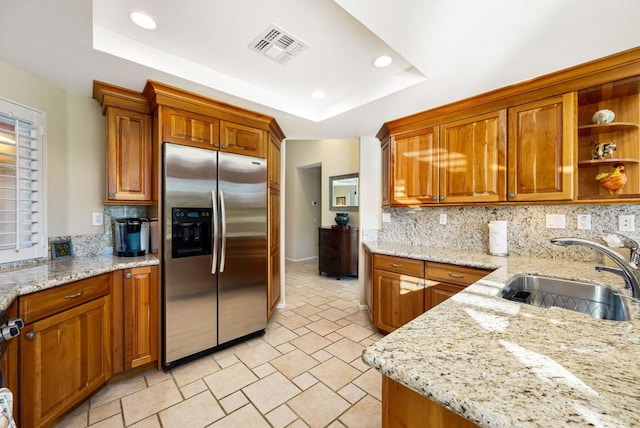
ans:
(30, 279)
(504, 364)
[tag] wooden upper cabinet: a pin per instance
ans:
(414, 168)
(128, 156)
(273, 163)
(129, 147)
(183, 127)
(541, 144)
(242, 139)
(472, 159)
(386, 173)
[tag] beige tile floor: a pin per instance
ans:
(305, 371)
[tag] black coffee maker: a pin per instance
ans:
(132, 236)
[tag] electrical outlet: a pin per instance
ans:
(443, 219)
(584, 221)
(386, 217)
(626, 223)
(556, 221)
(97, 219)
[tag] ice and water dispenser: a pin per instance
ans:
(190, 232)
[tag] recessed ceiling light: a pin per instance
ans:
(143, 20)
(382, 61)
(317, 94)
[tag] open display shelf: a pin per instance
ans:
(623, 98)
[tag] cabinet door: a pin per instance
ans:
(242, 139)
(128, 156)
(274, 251)
(64, 358)
(437, 293)
(541, 146)
(10, 366)
(183, 127)
(397, 299)
(273, 163)
(473, 159)
(414, 167)
(140, 316)
(386, 174)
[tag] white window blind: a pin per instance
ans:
(22, 226)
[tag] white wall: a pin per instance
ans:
(337, 157)
(74, 147)
(370, 198)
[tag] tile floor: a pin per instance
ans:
(305, 371)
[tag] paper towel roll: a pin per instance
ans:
(498, 238)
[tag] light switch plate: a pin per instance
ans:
(556, 221)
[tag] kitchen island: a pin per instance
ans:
(500, 363)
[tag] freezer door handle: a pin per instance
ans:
(214, 221)
(223, 222)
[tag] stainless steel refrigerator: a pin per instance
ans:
(215, 250)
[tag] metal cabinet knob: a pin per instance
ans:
(30, 336)
(128, 275)
(434, 199)
(442, 198)
(224, 146)
(512, 195)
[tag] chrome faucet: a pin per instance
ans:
(627, 271)
(635, 251)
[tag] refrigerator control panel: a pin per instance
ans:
(191, 231)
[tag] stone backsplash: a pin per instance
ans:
(101, 243)
(467, 228)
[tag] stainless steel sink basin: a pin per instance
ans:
(598, 301)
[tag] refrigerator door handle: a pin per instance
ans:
(214, 244)
(223, 222)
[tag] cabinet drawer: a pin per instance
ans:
(48, 302)
(328, 238)
(399, 265)
(454, 274)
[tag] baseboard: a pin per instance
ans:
(301, 260)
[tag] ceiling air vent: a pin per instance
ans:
(277, 44)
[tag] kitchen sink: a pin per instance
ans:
(598, 301)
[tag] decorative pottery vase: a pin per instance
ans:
(342, 219)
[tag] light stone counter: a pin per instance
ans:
(51, 274)
(504, 364)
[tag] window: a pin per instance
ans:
(22, 197)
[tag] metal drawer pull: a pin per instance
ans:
(31, 335)
(456, 275)
(73, 296)
(396, 265)
(128, 275)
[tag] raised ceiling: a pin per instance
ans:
(443, 50)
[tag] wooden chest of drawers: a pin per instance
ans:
(338, 251)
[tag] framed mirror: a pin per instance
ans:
(343, 192)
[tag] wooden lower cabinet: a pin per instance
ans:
(397, 299)
(438, 293)
(140, 316)
(10, 366)
(398, 289)
(64, 358)
(403, 407)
